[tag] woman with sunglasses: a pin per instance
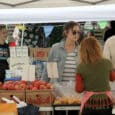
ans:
(65, 54)
(93, 75)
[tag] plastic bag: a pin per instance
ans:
(28, 110)
(65, 93)
(66, 89)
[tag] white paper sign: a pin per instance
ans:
(18, 51)
(25, 51)
(18, 62)
(12, 52)
(31, 72)
(52, 70)
(25, 72)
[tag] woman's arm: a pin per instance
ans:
(112, 75)
(78, 83)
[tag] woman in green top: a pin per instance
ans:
(93, 75)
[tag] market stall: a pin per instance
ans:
(45, 15)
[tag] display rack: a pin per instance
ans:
(47, 110)
(65, 108)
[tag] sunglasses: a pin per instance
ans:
(75, 32)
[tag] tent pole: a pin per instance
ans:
(22, 36)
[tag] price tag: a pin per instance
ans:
(52, 70)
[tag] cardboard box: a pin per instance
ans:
(31, 52)
(8, 109)
(19, 51)
(39, 97)
(12, 52)
(25, 51)
(41, 53)
(7, 93)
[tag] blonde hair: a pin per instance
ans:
(90, 50)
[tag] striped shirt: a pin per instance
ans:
(70, 66)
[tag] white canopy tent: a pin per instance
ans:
(50, 3)
(58, 14)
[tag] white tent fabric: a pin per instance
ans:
(50, 3)
(62, 14)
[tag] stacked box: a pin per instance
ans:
(39, 97)
(7, 93)
(39, 53)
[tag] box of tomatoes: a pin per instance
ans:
(39, 97)
(39, 93)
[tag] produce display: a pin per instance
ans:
(39, 85)
(36, 92)
(24, 85)
(14, 85)
(67, 100)
(40, 93)
(65, 94)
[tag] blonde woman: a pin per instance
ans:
(93, 75)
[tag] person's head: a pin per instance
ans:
(112, 24)
(90, 50)
(3, 33)
(90, 33)
(71, 30)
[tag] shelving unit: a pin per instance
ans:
(49, 110)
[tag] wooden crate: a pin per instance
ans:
(39, 97)
(7, 93)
